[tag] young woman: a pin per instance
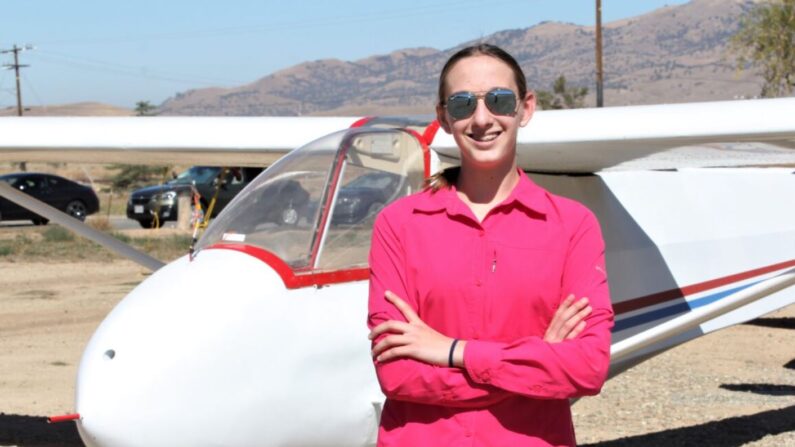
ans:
(477, 337)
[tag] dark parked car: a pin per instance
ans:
(72, 198)
(365, 196)
(161, 200)
(288, 202)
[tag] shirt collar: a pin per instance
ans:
(526, 193)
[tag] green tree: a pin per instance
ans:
(562, 96)
(766, 40)
(133, 176)
(144, 108)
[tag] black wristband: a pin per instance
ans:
(452, 349)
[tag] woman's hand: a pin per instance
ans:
(411, 339)
(569, 320)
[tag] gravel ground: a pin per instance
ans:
(732, 388)
(735, 387)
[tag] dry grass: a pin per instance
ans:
(54, 243)
(99, 222)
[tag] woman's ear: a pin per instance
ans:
(441, 116)
(528, 108)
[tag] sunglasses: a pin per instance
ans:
(499, 101)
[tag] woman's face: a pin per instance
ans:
(486, 140)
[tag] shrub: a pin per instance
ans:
(6, 249)
(58, 233)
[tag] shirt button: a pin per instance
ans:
(481, 233)
(477, 283)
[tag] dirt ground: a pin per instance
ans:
(732, 388)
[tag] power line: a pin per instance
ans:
(35, 93)
(16, 66)
(2, 83)
(91, 64)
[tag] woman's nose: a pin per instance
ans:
(482, 115)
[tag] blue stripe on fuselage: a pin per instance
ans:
(675, 309)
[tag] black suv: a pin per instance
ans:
(161, 200)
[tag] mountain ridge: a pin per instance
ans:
(672, 54)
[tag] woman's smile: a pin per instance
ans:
(484, 137)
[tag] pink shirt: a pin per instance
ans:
(495, 284)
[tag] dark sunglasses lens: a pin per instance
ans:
(461, 105)
(501, 102)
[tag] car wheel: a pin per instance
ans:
(145, 223)
(76, 209)
(290, 216)
(40, 221)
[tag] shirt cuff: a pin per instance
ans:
(481, 358)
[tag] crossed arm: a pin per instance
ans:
(411, 358)
(416, 340)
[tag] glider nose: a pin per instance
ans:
(150, 368)
(218, 351)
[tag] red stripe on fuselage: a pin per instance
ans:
(674, 294)
(291, 279)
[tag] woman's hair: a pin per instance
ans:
(484, 49)
(449, 176)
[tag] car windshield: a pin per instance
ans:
(199, 174)
(315, 207)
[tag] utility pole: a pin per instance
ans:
(599, 72)
(16, 66)
(23, 166)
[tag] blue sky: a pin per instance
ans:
(122, 52)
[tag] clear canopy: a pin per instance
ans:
(315, 207)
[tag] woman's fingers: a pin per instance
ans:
(574, 308)
(388, 326)
(567, 320)
(401, 351)
(558, 319)
(402, 306)
(578, 318)
(554, 331)
(388, 342)
(576, 331)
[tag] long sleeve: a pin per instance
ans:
(531, 367)
(407, 379)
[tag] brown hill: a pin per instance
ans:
(673, 54)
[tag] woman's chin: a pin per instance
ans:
(488, 159)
